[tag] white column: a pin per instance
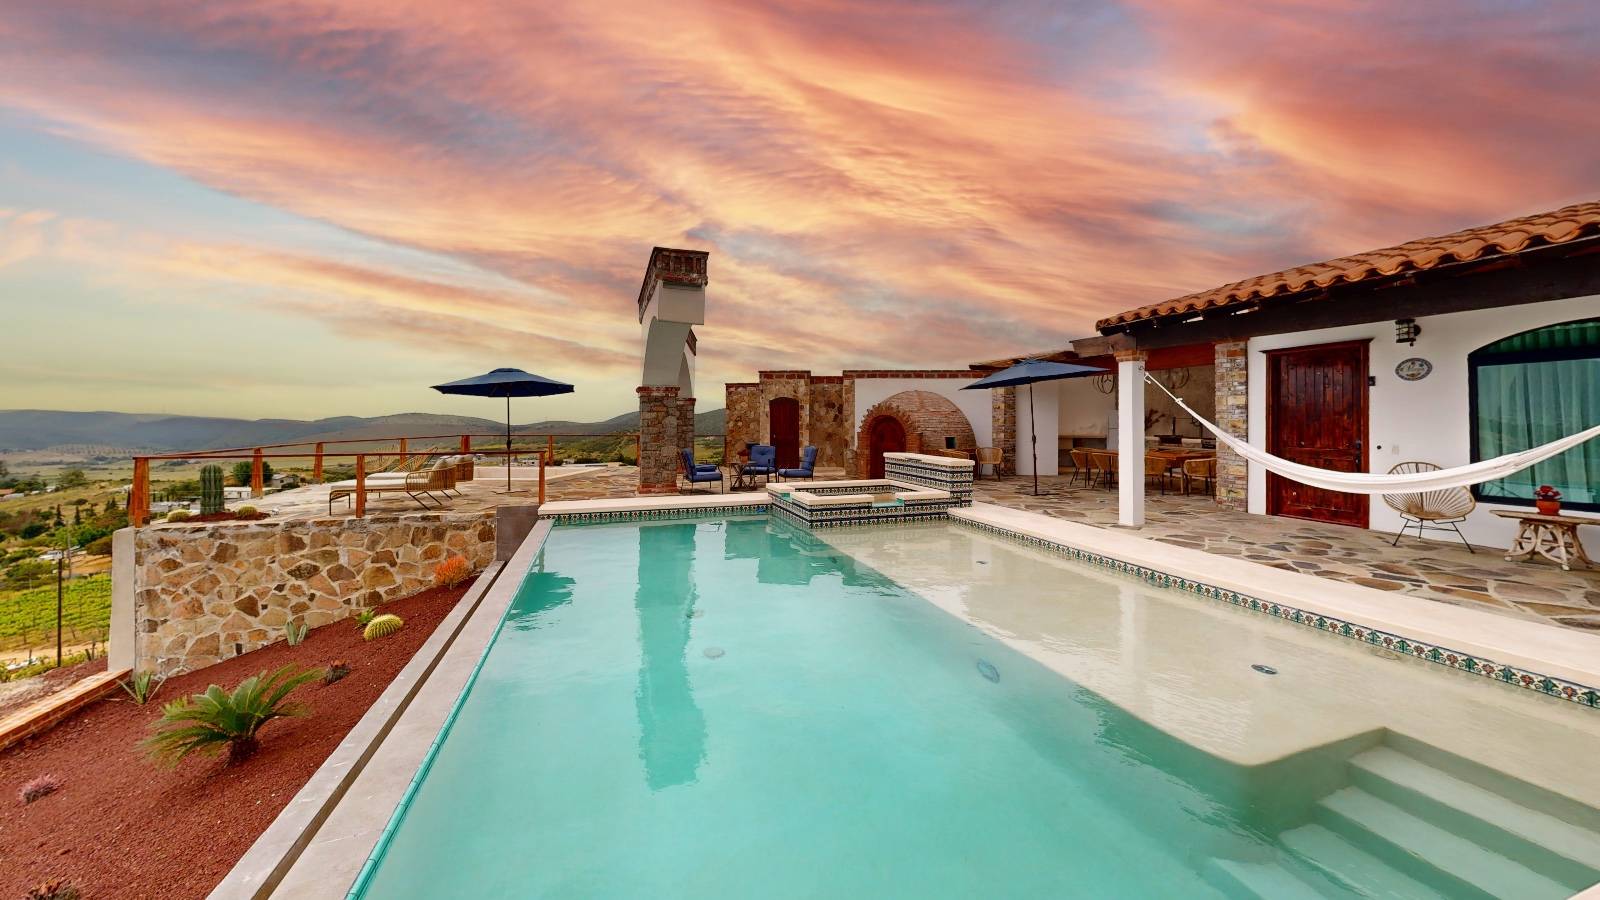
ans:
(1130, 439)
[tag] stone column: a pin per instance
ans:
(1233, 409)
(1003, 407)
(686, 422)
(658, 439)
(1130, 438)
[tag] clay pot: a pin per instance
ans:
(1548, 507)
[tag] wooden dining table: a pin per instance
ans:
(1173, 458)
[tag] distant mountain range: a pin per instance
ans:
(39, 429)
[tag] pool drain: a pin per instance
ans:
(1265, 670)
(713, 652)
(987, 670)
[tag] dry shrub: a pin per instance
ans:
(451, 572)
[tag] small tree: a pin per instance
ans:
(72, 478)
(241, 472)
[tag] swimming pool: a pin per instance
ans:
(740, 707)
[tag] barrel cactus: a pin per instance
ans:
(210, 490)
(382, 626)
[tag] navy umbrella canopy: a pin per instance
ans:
(1028, 372)
(506, 383)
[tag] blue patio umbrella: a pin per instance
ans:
(1029, 372)
(506, 383)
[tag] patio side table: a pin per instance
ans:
(1553, 537)
(737, 480)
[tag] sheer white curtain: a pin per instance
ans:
(1526, 404)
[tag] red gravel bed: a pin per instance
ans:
(122, 826)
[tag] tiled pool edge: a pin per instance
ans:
(322, 860)
(1582, 695)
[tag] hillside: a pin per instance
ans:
(35, 430)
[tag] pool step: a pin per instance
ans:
(1259, 881)
(1428, 853)
(1418, 823)
(1544, 841)
(1316, 848)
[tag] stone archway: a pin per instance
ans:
(928, 420)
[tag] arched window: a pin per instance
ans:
(1533, 388)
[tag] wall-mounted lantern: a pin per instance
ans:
(1406, 331)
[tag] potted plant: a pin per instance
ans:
(1548, 500)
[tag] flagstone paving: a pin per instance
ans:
(1435, 570)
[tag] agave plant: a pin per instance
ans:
(294, 632)
(216, 719)
(142, 686)
(382, 626)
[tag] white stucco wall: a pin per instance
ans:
(1417, 420)
(975, 405)
(1084, 411)
(1047, 407)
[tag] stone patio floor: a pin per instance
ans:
(1435, 570)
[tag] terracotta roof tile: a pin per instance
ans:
(1513, 236)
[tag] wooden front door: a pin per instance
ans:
(886, 436)
(1317, 416)
(783, 417)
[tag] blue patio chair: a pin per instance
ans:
(698, 473)
(763, 461)
(808, 466)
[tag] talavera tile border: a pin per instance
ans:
(664, 512)
(1580, 694)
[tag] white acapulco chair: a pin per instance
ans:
(1437, 510)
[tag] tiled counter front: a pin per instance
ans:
(205, 593)
(943, 473)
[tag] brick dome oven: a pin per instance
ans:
(912, 421)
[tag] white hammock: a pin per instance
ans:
(1368, 483)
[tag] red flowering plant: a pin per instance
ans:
(1546, 492)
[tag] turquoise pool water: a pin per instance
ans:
(739, 709)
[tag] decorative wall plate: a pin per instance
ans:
(1413, 369)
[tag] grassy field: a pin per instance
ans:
(28, 618)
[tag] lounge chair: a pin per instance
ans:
(763, 461)
(1433, 510)
(1081, 466)
(440, 477)
(808, 466)
(698, 473)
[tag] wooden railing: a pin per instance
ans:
(139, 495)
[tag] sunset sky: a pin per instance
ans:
(301, 209)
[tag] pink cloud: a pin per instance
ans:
(933, 182)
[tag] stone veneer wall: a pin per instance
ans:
(685, 423)
(1003, 402)
(658, 439)
(205, 593)
(830, 427)
(1232, 383)
(743, 404)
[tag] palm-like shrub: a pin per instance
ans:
(382, 626)
(215, 719)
